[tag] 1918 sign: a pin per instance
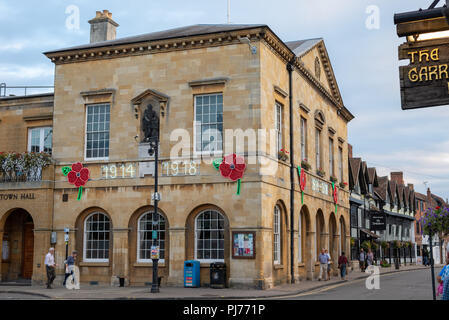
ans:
(425, 81)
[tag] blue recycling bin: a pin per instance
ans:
(191, 274)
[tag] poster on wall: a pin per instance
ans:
(243, 245)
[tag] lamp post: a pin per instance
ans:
(154, 148)
(150, 124)
(432, 267)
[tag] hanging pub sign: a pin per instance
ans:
(378, 221)
(425, 80)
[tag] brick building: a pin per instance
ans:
(196, 79)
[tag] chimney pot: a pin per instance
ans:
(102, 27)
(397, 177)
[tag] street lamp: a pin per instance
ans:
(151, 122)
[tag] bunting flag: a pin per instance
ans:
(335, 194)
(302, 182)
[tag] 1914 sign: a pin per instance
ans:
(425, 81)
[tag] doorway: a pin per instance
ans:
(19, 238)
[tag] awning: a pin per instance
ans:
(372, 234)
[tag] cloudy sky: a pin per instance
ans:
(364, 60)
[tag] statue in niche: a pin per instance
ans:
(150, 124)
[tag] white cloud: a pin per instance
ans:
(36, 42)
(19, 72)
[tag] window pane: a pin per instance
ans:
(210, 114)
(96, 231)
(210, 235)
(97, 130)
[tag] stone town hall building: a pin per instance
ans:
(197, 78)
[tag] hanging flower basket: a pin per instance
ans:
(25, 166)
(283, 155)
(333, 179)
(436, 221)
(321, 172)
(343, 185)
(384, 244)
(397, 244)
(352, 242)
(366, 245)
(305, 165)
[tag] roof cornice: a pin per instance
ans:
(263, 33)
(286, 54)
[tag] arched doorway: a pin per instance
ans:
(333, 239)
(18, 247)
(305, 238)
(320, 234)
(343, 235)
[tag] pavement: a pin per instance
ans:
(96, 292)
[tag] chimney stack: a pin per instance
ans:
(350, 151)
(411, 186)
(102, 27)
(397, 177)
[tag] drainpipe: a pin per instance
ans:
(292, 171)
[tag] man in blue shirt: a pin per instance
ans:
(69, 264)
(323, 258)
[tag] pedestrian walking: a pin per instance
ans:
(342, 265)
(443, 278)
(69, 266)
(328, 265)
(50, 267)
(362, 258)
(370, 258)
(323, 259)
(425, 257)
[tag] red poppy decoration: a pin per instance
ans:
(303, 180)
(232, 167)
(79, 175)
(335, 195)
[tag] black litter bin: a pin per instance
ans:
(218, 275)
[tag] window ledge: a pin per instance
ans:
(94, 264)
(301, 264)
(278, 266)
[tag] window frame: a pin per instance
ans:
(277, 233)
(279, 133)
(195, 122)
(303, 138)
(86, 133)
(318, 149)
(140, 260)
(95, 260)
(340, 163)
(196, 237)
(41, 138)
(331, 157)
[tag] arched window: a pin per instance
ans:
(277, 235)
(97, 228)
(209, 236)
(150, 232)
